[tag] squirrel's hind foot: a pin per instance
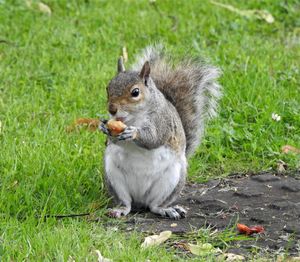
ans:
(176, 212)
(118, 212)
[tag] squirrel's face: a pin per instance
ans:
(127, 94)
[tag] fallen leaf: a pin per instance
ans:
(156, 239)
(125, 54)
(44, 8)
(294, 259)
(256, 13)
(281, 166)
(101, 258)
(232, 257)
(91, 124)
(287, 149)
(257, 229)
(249, 230)
(243, 229)
(201, 249)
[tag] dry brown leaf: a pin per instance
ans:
(44, 8)
(125, 54)
(155, 240)
(256, 13)
(249, 230)
(101, 258)
(287, 149)
(281, 166)
(90, 123)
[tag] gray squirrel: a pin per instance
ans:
(165, 108)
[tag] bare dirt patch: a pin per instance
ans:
(267, 199)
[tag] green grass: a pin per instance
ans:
(55, 68)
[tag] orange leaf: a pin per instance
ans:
(243, 229)
(249, 230)
(90, 123)
(257, 229)
(287, 149)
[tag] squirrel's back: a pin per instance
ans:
(190, 86)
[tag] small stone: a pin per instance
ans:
(173, 225)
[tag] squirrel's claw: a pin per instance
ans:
(129, 133)
(104, 129)
(180, 210)
(176, 212)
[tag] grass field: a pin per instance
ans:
(55, 68)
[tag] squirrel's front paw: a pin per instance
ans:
(103, 128)
(129, 133)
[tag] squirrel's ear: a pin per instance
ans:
(145, 72)
(121, 67)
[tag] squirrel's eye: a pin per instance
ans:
(135, 92)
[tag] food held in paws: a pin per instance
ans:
(115, 127)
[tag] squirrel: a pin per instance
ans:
(165, 109)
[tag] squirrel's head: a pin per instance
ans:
(128, 92)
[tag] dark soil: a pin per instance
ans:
(270, 200)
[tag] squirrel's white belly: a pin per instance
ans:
(143, 175)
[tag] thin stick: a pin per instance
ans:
(66, 216)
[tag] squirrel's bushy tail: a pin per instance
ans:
(190, 86)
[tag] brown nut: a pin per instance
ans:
(115, 127)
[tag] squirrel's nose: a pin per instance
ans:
(112, 108)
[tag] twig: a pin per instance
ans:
(66, 216)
